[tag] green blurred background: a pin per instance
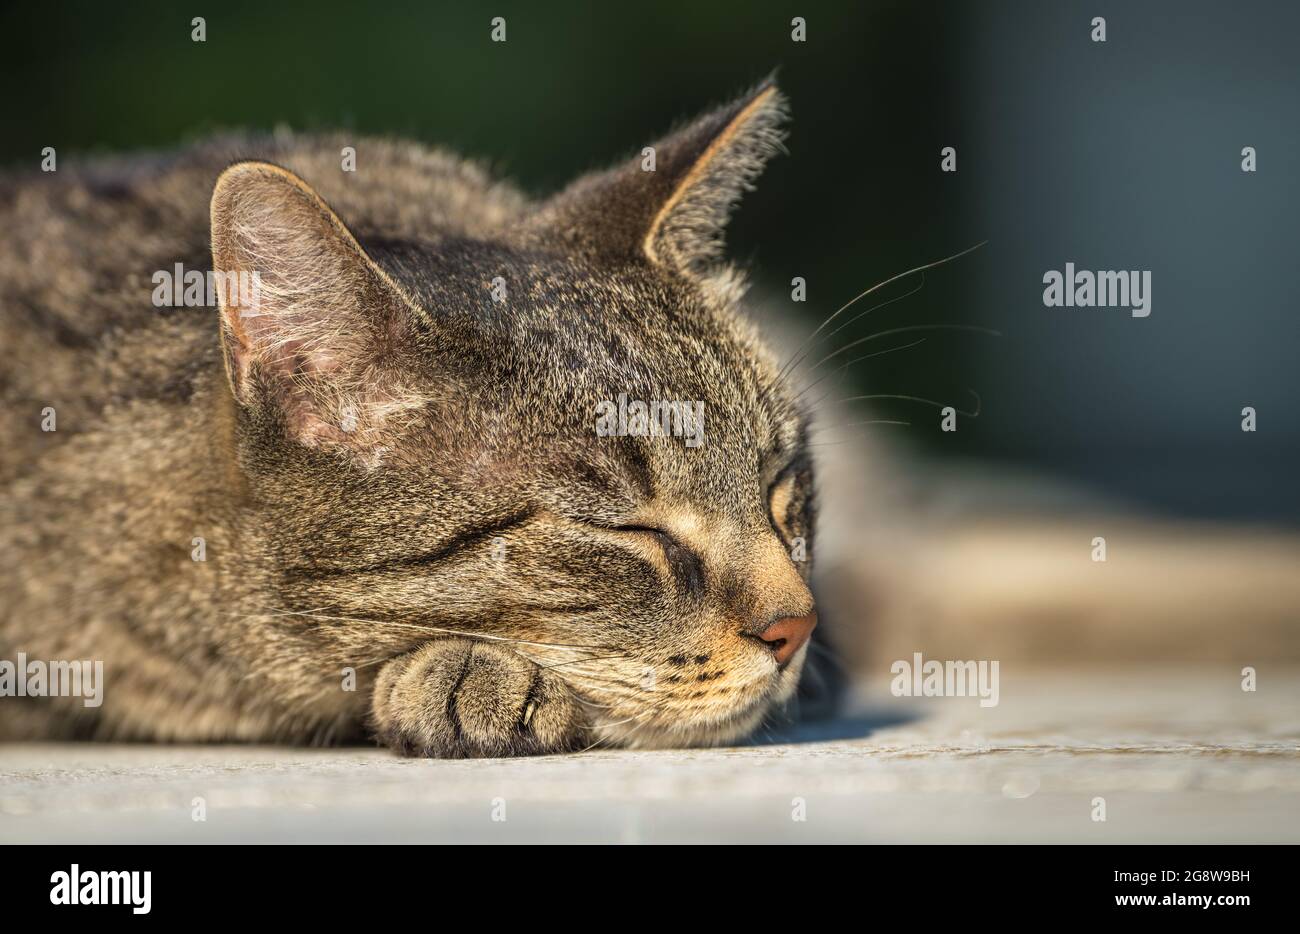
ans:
(1115, 155)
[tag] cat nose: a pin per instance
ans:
(787, 635)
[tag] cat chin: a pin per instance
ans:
(728, 727)
(682, 735)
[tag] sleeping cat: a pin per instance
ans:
(367, 494)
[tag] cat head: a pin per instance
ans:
(562, 435)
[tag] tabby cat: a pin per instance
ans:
(368, 497)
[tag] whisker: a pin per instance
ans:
(423, 627)
(269, 612)
(591, 703)
(858, 317)
(911, 327)
(579, 661)
(844, 367)
(639, 716)
(873, 421)
(804, 348)
(937, 405)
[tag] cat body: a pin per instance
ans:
(369, 496)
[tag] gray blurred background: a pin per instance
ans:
(1115, 155)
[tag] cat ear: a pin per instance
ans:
(309, 322)
(670, 203)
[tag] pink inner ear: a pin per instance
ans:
(314, 344)
(306, 321)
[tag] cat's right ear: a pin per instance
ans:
(311, 326)
(669, 204)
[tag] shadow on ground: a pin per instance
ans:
(829, 729)
(824, 710)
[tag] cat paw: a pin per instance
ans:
(460, 698)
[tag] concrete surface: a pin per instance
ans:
(1179, 756)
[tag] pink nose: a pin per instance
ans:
(788, 635)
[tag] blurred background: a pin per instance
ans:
(1123, 154)
(1116, 155)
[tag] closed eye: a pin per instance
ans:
(687, 567)
(778, 504)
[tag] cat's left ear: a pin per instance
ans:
(313, 331)
(670, 203)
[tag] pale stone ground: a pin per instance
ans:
(1181, 756)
